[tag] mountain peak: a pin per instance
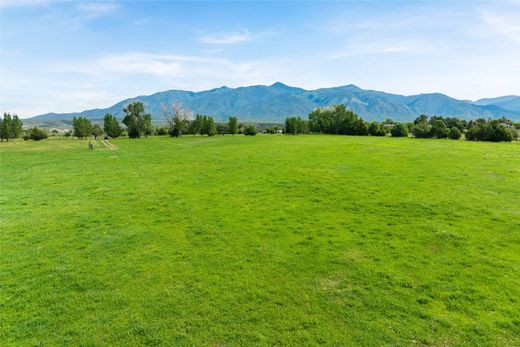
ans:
(279, 85)
(277, 101)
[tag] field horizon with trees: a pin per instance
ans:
(336, 119)
(319, 231)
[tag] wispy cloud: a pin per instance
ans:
(165, 66)
(368, 49)
(506, 25)
(97, 8)
(21, 3)
(227, 38)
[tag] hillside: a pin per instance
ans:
(277, 101)
(509, 102)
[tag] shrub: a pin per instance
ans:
(439, 129)
(161, 131)
(97, 130)
(360, 127)
(422, 130)
(375, 129)
(399, 130)
(37, 134)
(482, 130)
(250, 130)
(455, 133)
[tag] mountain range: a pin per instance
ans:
(273, 103)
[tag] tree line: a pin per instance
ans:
(339, 120)
(335, 119)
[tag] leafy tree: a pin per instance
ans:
(250, 130)
(222, 129)
(375, 129)
(399, 130)
(456, 122)
(111, 126)
(161, 131)
(137, 121)
(195, 127)
(422, 130)
(82, 127)
(233, 125)
(241, 127)
(37, 134)
(493, 130)
(360, 127)
(455, 133)
(11, 127)
(3, 130)
(97, 130)
(296, 125)
(208, 126)
(178, 119)
(439, 129)
(421, 119)
(333, 120)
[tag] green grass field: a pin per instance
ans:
(266, 240)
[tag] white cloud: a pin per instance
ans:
(103, 81)
(20, 3)
(368, 49)
(163, 66)
(227, 38)
(97, 8)
(506, 25)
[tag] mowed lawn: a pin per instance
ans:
(266, 240)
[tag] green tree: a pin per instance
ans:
(421, 119)
(196, 125)
(233, 125)
(161, 130)
(11, 127)
(178, 119)
(375, 129)
(360, 127)
(296, 125)
(250, 130)
(137, 121)
(222, 128)
(37, 134)
(439, 129)
(180, 126)
(111, 126)
(97, 130)
(455, 133)
(422, 130)
(208, 126)
(82, 127)
(336, 119)
(399, 130)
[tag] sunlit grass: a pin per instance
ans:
(288, 240)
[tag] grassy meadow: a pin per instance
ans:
(265, 240)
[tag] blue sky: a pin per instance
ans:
(69, 56)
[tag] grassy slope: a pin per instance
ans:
(263, 240)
